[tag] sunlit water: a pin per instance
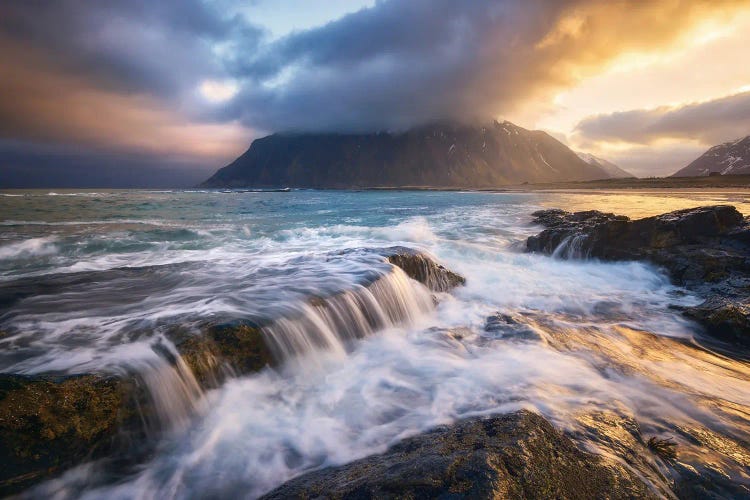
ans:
(90, 281)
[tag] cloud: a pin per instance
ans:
(131, 76)
(139, 46)
(117, 82)
(393, 65)
(707, 122)
(648, 161)
(400, 63)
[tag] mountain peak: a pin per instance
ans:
(614, 171)
(439, 155)
(729, 158)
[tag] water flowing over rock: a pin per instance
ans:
(223, 350)
(321, 323)
(706, 249)
(328, 324)
(424, 269)
(50, 423)
(519, 455)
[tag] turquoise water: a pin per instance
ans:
(93, 281)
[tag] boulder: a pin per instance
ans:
(50, 423)
(511, 327)
(616, 237)
(421, 267)
(706, 249)
(519, 455)
(221, 350)
(726, 318)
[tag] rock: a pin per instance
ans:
(508, 326)
(424, 269)
(222, 350)
(705, 249)
(726, 319)
(613, 237)
(51, 423)
(48, 424)
(519, 455)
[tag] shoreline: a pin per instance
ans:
(677, 184)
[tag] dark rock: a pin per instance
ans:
(705, 249)
(50, 423)
(613, 237)
(727, 319)
(424, 269)
(508, 326)
(222, 350)
(511, 456)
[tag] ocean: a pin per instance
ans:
(94, 281)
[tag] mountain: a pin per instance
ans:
(610, 168)
(442, 155)
(730, 158)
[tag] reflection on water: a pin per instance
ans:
(637, 204)
(91, 282)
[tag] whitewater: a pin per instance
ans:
(92, 282)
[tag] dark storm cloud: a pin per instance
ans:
(158, 47)
(709, 122)
(402, 63)
(394, 65)
(124, 76)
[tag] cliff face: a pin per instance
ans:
(443, 156)
(730, 158)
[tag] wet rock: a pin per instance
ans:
(51, 423)
(709, 478)
(614, 237)
(726, 318)
(511, 456)
(223, 350)
(620, 436)
(424, 269)
(510, 327)
(705, 249)
(48, 424)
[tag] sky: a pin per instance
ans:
(143, 93)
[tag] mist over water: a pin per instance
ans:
(94, 281)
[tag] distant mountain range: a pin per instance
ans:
(442, 155)
(610, 168)
(730, 158)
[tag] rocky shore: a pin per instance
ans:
(519, 455)
(49, 423)
(706, 250)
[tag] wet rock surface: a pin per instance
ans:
(224, 350)
(50, 423)
(511, 327)
(705, 249)
(423, 268)
(519, 455)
